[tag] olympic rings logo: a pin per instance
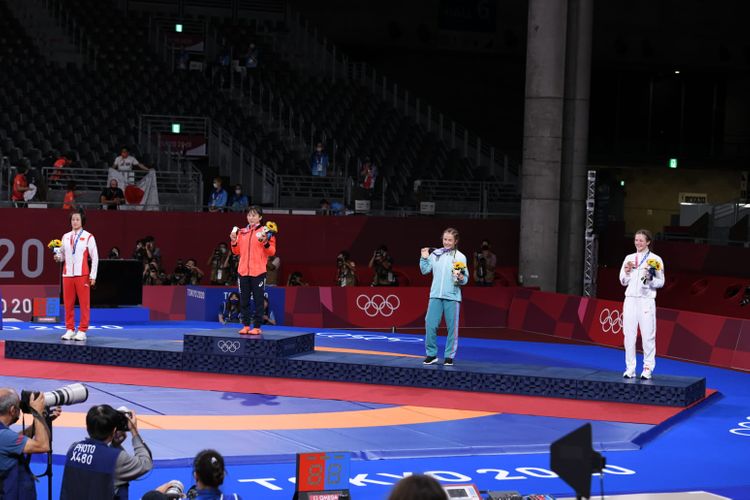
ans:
(611, 321)
(377, 304)
(743, 429)
(228, 345)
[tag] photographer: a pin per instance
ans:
(484, 265)
(382, 264)
(346, 270)
(16, 479)
(153, 274)
(296, 279)
(194, 275)
(180, 274)
(98, 467)
(219, 264)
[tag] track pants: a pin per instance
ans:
(77, 286)
(253, 286)
(435, 311)
(639, 312)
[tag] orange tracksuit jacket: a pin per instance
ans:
(253, 253)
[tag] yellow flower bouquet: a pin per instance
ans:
(55, 246)
(652, 265)
(267, 231)
(459, 268)
(272, 227)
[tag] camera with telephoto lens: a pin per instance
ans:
(66, 395)
(175, 489)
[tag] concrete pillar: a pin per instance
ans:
(575, 147)
(542, 143)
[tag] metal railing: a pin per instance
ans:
(320, 56)
(470, 196)
(88, 179)
(307, 191)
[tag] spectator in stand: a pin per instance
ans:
(296, 279)
(112, 197)
(346, 270)
(251, 57)
(99, 467)
(418, 487)
(218, 201)
(62, 162)
(209, 474)
(229, 312)
(126, 163)
(325, 207)
(223, 65)
(338, 208)
(381, 263)
(114, 254)
(272, 270)
(484, 265)
(69, 202)
(194, 275)
(219, 264)
(319, 161)
(16, 479)
(238, 202)
(183, 59)
(20, 186)
(368, 174)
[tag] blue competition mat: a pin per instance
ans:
(706, 449)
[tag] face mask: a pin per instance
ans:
(238, 192)
(216, 185)
(233, 301)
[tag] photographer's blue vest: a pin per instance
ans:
(89, 471)
(17, 483)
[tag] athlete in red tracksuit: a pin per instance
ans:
(254, 247)
(77, 247)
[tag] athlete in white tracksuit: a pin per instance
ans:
(639, 309)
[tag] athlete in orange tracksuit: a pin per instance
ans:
(254, 247)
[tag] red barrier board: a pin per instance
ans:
(388, 307)
(705, 338)
(165, 302)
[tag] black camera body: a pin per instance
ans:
(123, 418)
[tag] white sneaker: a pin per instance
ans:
(628, 374)
(646, 374)
(68, 335)
(80, 336)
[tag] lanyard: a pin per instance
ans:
(644, 258)
(74, 244)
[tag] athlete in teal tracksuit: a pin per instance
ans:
(445, 295)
